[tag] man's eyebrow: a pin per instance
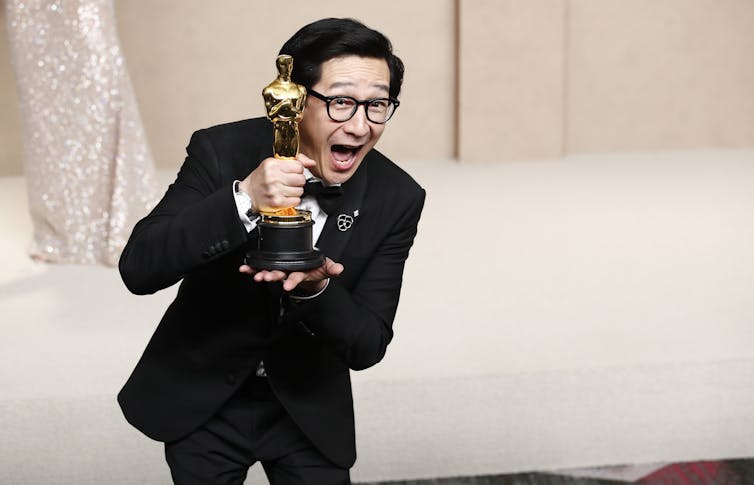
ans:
(382, 86)
(379, 85)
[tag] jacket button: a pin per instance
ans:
(231, 378)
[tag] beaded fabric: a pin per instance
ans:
(89, 172)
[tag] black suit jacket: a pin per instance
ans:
(222, 323)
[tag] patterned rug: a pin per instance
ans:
(728, 472)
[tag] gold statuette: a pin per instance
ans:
(284, 101)
(285, 235)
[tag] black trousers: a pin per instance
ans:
(252, 426)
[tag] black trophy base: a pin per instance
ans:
(303, 261)
(285, 243)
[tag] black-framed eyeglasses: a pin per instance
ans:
(342, 108)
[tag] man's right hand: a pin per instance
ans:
(277, 184)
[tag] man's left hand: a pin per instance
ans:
(309, 282)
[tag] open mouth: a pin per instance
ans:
(344, 155)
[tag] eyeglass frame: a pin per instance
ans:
(365, 103)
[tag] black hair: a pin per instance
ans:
(329, 38)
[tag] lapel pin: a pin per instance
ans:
(344, 222)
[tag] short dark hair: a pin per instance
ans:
(326, 39)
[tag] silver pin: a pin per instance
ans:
(344, 222)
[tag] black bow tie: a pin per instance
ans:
(328, 196)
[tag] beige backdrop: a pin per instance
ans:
(486, 80)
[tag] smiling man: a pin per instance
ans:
(251, 365)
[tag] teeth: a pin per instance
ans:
(343, 154)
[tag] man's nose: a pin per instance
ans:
(358, 125)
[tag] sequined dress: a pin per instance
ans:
(89, 172)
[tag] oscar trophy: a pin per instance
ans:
(285, 235)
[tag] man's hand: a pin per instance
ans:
(308, 282)
(277, 184)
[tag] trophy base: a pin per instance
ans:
(302, 261)
(285, 243)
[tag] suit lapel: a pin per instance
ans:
(336, 233)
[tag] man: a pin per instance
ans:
(251, 365)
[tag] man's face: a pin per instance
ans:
(339, 148)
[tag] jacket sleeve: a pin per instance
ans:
(195, 223)
(357, 323)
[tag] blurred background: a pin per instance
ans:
(486, 80)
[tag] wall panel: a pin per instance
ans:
(511, 79)
(196, 63)
(537, 79)
(654, 75)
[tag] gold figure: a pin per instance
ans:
(284, 102)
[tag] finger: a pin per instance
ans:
(245, 268)
(283, 197)
(267, 275)
(291, 166)
(291, 191)
(274, 275)
(334, 269)
(306, 161)
(293, 179)
(292, 281)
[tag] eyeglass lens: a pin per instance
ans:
(378, 110)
